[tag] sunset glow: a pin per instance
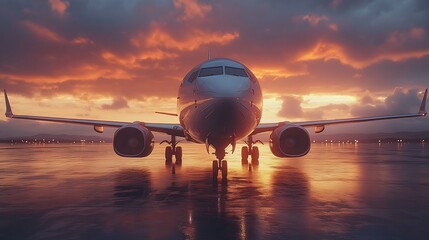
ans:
(124, 60)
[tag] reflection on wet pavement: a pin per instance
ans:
(365, 191)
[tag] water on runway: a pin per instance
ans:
(337, 191)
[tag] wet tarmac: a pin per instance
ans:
(362, 191)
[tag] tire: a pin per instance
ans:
(255, 155)
(215, 169)
(224, 169)
(168, 154)
(244, 153)
(178, 155)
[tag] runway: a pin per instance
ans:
(337, 191)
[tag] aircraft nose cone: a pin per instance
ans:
(225, 117)
(225, 86)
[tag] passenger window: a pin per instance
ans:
(193, 76)
(204, 72)
(235, 71)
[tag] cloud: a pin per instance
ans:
(291, 109)
(192, 9)
(59, 6)
(141, 49)
(118, 103)
(401, 37)
(43, 32)
(401, 101)
(313, 19)
(162, 39)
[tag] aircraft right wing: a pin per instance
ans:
(320, 125)
(170, 129)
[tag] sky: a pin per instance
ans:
(124, 60)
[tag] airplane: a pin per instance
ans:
(219, 102)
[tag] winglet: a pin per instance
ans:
(8, 108)
(422, 110)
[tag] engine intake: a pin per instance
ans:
(290, 141)
(133, 140)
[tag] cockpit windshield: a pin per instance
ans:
(211, 71)
(235, 71)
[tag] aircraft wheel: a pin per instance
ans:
(244, 154)
(178, 155)
(215, 169)
(168, 154)
(224, 169)
(255, 155)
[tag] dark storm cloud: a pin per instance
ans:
(398, 102)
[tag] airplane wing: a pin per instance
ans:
(319, 126)
(171, 129)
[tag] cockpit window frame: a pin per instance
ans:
(252, 77)
(193, 76)
(211, 68)
(242, 72)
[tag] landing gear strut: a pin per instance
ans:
(171, 150)
(251, 150)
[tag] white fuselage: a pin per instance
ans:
(219, 102)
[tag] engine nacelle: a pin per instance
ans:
(133, 140)
(290, 141)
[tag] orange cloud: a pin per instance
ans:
(131, 61)
(47, 34)
(261, 72)
(192, 8)
(59, 7)
(43, 32)
(323, 51)
(158, 38)
(326, 51)
(81, 41)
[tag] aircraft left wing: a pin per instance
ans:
(319, 126)
(170, 129)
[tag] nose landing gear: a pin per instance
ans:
(220, 165)
(173, 150)
(251, 150)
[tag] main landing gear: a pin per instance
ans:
(251, 150)
(172, 150)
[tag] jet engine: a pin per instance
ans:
(290, 141)
(133, 140)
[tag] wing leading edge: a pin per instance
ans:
(265, 127)
(171, 129)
